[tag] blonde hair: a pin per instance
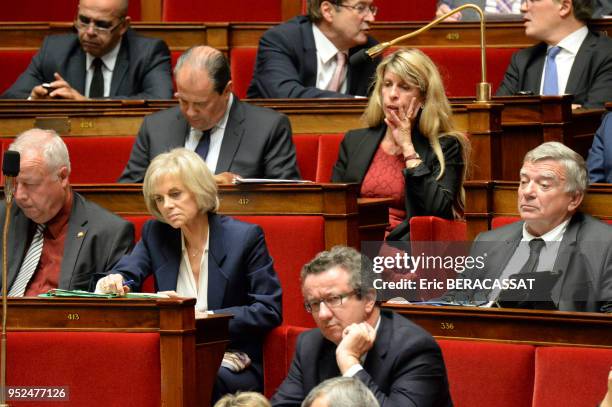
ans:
(193, 173)
(243, 399)
(414, 67)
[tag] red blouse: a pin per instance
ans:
(385, 178)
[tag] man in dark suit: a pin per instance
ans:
(78, 237)
(104, 59)
(234, 138)
(599, 161)
(553, 242)
(397, 360)
(302, 57)
(578, 61)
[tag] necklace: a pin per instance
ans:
(194, 253)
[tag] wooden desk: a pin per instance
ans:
(511, 325)
(348, 220)
(183, 339)
(501, 132)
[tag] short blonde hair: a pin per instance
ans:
(243, 399)
(414, 67)
(193, 173)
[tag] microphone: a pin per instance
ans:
(10, 169)
(483, 90)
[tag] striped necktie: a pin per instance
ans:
(339, 74)
(29, 265)
(504, 6)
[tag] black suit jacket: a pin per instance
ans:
(142, 70)
(425, 196)
(256, 144)
(95, 241)
(286, 65)
(404, 367)
(584, 263)
(590, 79)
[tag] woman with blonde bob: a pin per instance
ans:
(410, 151)
(193, 252)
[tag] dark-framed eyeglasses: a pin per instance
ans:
(82, 23)
(361, 8)
(332, 301)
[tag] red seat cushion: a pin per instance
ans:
(148, 285)
(329, 146)
(432, 228)
(292, 242)
(279, 348)
(486, 374)
(499, 221)
(13, 64)
(231, 10)
(242, 63)
(96, 367)
(306, 149)
(98, 159)
(571, 377)
(51, 10)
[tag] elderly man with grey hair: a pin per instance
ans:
(557, 257)
(57, 238)
(340, 392)
(397, 360)
(233, 137)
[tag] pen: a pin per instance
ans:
(128, 282)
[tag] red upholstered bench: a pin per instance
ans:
(51, 10)
(329, 145)
(98, 368)
(98, 160)
(306, 149)
(393, 10)
(231, 10)
(14, 62)
(242, 64)
(292, 242)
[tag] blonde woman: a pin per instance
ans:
(222, 262)
(410, 150)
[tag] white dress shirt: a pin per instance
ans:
(326, 60)
(108, 66)
(565, 58)
(216, 138)
(186, 284)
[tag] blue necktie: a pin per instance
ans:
(551, 84)
(203, 144)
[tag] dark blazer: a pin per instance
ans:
(142, 70)
(590, 79)
(286, 65)
(257, 143)
(241, 276)
(95, 241)
(599, 160)
(403, 368)
(584, 262)
(424, 194)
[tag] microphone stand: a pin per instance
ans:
(7, 219)
(483, 90)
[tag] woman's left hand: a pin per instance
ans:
(401, 124)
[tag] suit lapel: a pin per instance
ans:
(375, 361)
(76, 70)
(328, 366)
(535, 67)
(567, 250)
(364, 153)
(121, 67)
(166, 275)
(580, 67)
(217, 278)
(309, 62)
(16, 246)
(77, 233)
(232, 137)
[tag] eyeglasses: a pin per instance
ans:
(331, 302)
(82, 23)
(361, 8)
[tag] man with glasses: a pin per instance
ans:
(397, 360)
(308, 56)
(103, 59)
